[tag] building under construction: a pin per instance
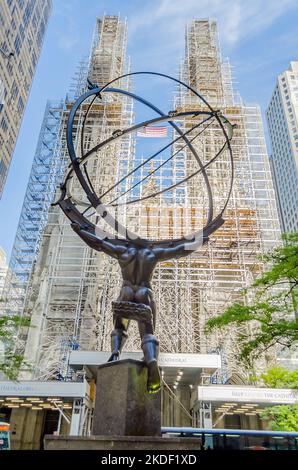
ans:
(66, 288)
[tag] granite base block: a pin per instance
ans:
(125, 443)
(123, 406)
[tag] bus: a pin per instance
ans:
(236, 439)
(4, 436)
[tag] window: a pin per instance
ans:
(3, 169)
(22, 32)
(34, 59)
(20, 68)
(17, 44)
(20, 105)
(14, 90)
(2, 95)
(34, 22)
(28, 12)
(13, 24)
(3, 124)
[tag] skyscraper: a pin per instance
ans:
(22, 28)
(282, 118)
(68, 293)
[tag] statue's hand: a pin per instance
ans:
(89, 238)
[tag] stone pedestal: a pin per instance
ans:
(123, 407)
(126, 443)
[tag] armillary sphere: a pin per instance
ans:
(78, 165)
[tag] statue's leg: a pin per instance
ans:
(150, 347)
(150, 344)
(119, 334)
(118, 337)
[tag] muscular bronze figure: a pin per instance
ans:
(135, 301)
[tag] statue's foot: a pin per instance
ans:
(153, 383)
(114, 357)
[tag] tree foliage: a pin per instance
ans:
(282, 418)
(10, 361)
(279, 377)
(271, 314)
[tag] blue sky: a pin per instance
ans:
(260, 37)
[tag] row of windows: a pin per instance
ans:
(3, 170)
(5, 120)
(20, 105)
(3, 124)
(2, 23)
(28, 11)
(287, 178)
(278, 128)
(289, 211)
(292, 77)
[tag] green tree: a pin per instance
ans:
(279, 377)
(272, 314)
(281, 418)
(10, 361)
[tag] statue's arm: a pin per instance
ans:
(111, 247)
(86, 231)
(185, 247)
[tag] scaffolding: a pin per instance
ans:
(46, 172)
(71, 287)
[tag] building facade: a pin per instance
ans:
(3, 270)
(282, 118)
(22, 28)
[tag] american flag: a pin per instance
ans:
(153, 131)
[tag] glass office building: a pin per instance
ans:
(22, 28)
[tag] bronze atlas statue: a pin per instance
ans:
(137, 256)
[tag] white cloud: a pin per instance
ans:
(238, 19)
(156, 29)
